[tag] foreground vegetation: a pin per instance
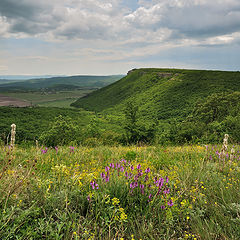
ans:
(189, 192)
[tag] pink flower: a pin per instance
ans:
(71, 149)
(170, 203)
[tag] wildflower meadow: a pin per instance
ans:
(130, 192)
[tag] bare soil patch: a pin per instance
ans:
(10, 101)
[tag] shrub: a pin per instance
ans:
(61, 132)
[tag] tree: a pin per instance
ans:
(137, 130)
(62, 131)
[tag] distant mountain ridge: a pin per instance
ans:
(83, 81)
(161, 93)
(26, 77)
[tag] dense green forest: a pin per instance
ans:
(162, 106)
(161, 93)
(170, 104)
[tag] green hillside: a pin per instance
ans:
(73, 81)
(161, 93)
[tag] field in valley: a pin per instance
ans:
(43, 99)
(13, 101)
(188, 192)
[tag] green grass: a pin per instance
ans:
(49, 196)
(65, 103)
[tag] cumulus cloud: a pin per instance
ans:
(165, 20)
(69, 31)
(189, 19)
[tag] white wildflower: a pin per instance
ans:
(13, 133)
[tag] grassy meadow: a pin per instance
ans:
(145, 163)
(132, 192)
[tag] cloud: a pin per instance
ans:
(166, 20)
(189, 19)
(31, 17)
(71, 32)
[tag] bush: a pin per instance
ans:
(61, 132)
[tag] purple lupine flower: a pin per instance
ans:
(44, 150)
(170, 203)
(88, 198)
(160, 182)
(162, 207)
(56, 148)
(94, 184)
(138, 166)
(147, 170)
(140, 173)
(103, 176)
(227, 155)
(107, 168)
(210, 158)
(158, 192)
(71, 149)
(167, 179)
(136, 177)
(117, 165)
(122, 169)
(126, 174)
(130, 175)
(142, 188)
(150, 196)
(123, 160)
(166, 191)
(132, 168)
(107, 178)
(133, 185)
(111, 165)
(146, 178)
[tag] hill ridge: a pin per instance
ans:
(162, 93)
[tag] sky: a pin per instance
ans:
(103, 37)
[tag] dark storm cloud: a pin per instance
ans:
(26, 16)
(13, 9)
